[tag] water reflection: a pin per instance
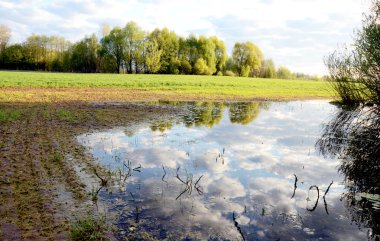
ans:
(209, 114)
(228, 182)
(354, 136)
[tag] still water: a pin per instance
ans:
(237, 171)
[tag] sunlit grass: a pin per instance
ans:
(42, 86)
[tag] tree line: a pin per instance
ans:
(133, 50)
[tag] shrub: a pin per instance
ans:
(229, 73)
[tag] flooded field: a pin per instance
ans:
(237, 171)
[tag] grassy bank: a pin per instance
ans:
(48, 87)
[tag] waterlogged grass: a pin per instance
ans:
(8, 115)
(41, 86)
(89, 228)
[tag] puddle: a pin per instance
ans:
(238, 171)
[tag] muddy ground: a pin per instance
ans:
(40, 190)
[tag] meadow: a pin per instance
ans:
(41, 114)
(51, 87)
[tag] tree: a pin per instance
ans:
(284, 73)
(5, 35)
(201, 68)
(105, 31)
(185, 67)
(247, 59)
(220, 54)
(14, 56)
(134, 47)
(153, 56)
(206, 52)
(255, 59)
(355, 74)
(113, 47)
(168, 43)
(84, 55)
(268, 70)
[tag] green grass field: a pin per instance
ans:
(34, 86)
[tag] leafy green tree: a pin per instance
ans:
(284, 73)
(153, 56)
(14, 56)
(134, 47)
(193, 46)
(268, 70)
(168, 43)
(113, 48)
(247, 59)
(255, 58)
(84, 55)
(220, 54)
(201, 68)
(185, 67)
(206, 52)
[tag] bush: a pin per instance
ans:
(201, 68)
(185, 67)
(229, 73)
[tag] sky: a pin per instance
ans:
(297, 34)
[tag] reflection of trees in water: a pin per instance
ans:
(161, 126)
(354, 137)
(244, 112)
(210, 113)
(204, 114)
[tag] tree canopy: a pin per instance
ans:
(132, 50)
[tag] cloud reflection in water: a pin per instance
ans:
(245, 168)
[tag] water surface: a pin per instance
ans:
(238, 171)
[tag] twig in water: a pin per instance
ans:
(103, 182)
(197, 187)
(94, 194)
(237, 225)
(163, 168)
(185, 190)
(180, 178)
(325, 203)
(295, 185)
(324, 197)
(316, 203)
(137, 169)
(328, 189)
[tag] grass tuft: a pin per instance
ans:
(9, 115)
(89, 228)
